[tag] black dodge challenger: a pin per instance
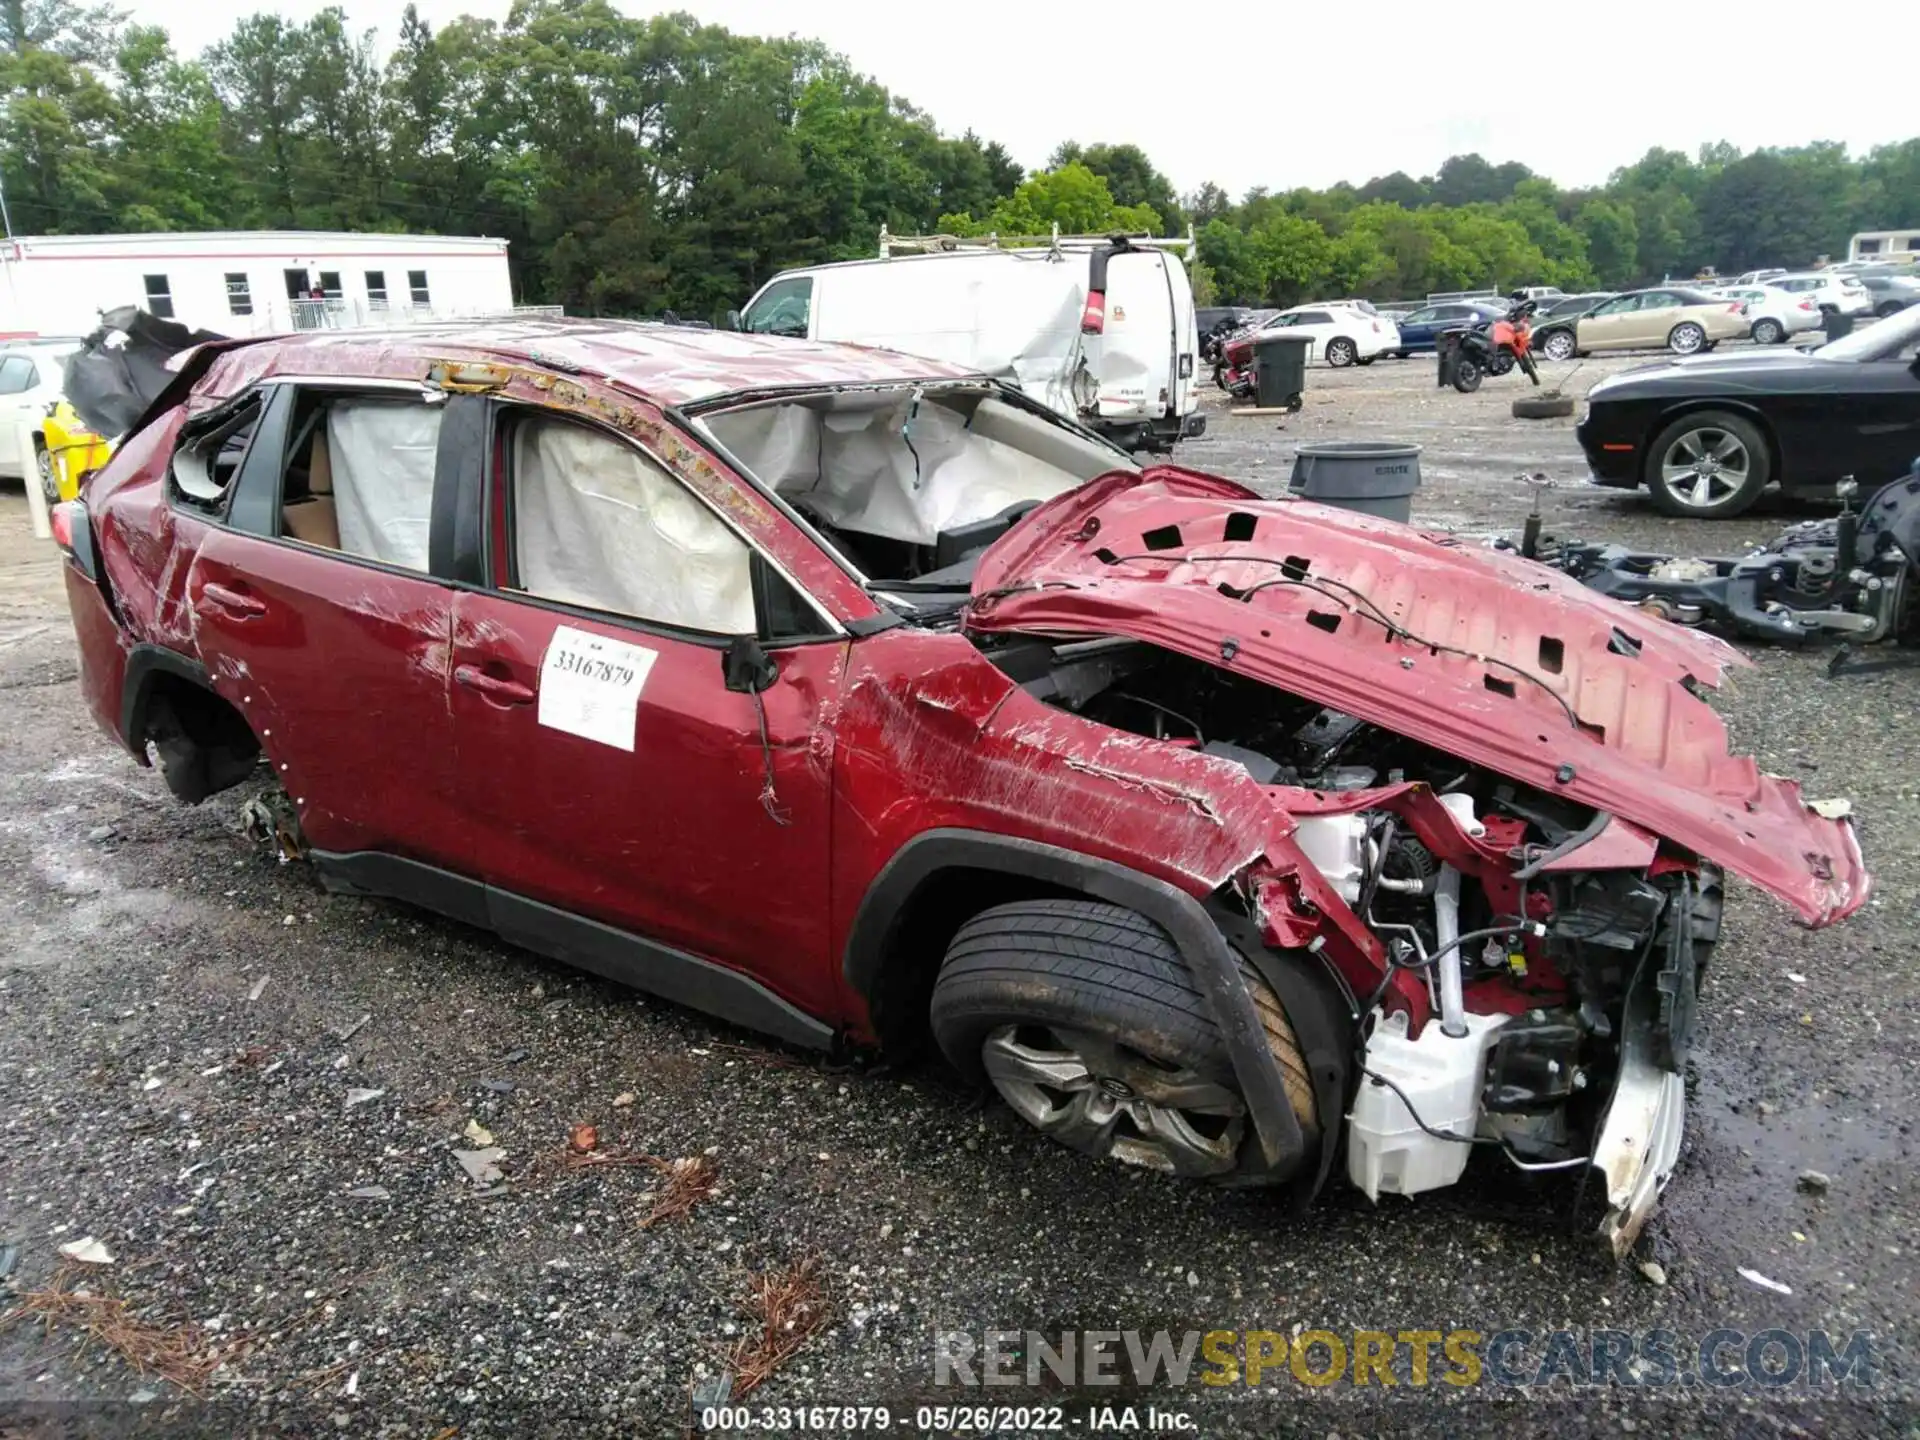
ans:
(1708, 433)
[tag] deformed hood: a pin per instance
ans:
(1474, 652)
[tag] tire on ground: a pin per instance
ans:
(1085, 964)
(1542, 407)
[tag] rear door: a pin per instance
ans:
(623, 797)
(323, 612)
(1139, 351)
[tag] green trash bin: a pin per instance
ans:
(1280, 370)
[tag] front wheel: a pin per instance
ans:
(1466, 375)
(1710, 465)
(1086, 1021)
(1341, 352)
(1559, 345)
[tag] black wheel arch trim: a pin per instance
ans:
(145, 663)
(1194, 932)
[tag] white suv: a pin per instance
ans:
(31, 377)
(1842, 294)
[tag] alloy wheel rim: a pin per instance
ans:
(1109, 1101)
(1766, 332)
(1688, 338)
(44, 460)
(1704, 467)
(1559, 345)
(1340, 352)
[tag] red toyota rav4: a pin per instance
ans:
(858, 699)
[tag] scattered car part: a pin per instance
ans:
(1854, 575)
(1551, 406)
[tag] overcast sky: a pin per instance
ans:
(1307, 93)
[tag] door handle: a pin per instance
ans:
(240, 602)
(497, 688)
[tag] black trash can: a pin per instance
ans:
(1370, 476)
(1836, 325)
(1280, 370)
(1446, 345)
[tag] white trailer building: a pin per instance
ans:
(249, 282)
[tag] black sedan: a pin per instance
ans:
(1707, 434)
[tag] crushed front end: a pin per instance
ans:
(1500, 811)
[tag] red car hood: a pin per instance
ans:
(1514, 667)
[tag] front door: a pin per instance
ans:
(333, 646)
(1609, 327)
(612, 772)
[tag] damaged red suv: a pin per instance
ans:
(860, 700)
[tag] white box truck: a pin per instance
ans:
(1098, 328)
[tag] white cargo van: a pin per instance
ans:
(1100, 329)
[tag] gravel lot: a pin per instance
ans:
(188, 1031)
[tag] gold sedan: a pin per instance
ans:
(1683, 321)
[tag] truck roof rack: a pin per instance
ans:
(891, 244)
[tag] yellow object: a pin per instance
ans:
(73, 451)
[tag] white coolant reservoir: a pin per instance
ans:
(1461, 808)
(1337, 846)
(1386, 1151)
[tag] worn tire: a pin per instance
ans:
(1542, 407)
(1084, 965)
(1759, 465)
(1341, 352)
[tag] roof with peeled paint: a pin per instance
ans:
(667, 364)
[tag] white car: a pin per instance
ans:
(31, 377)
(1342, 333)
(1758, 277)
(1842, 294)
(1774, 314)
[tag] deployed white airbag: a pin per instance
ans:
(900, 470)
(599, 524)
(383, 455)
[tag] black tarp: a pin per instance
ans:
(121, 367)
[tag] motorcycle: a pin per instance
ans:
(1495, 349)
(1233, 366)
(1213, 351)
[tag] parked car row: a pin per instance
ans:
(31, 375)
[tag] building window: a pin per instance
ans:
(417, 283)
(330, 284)
(376, 287)
(159, 297)
(239, 294)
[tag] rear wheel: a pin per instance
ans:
(1466, 375)
(1768, 332)
(1686, 338)
(1709, 465)
(1086, 1021)
(1341, 352)
(1888, 307)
